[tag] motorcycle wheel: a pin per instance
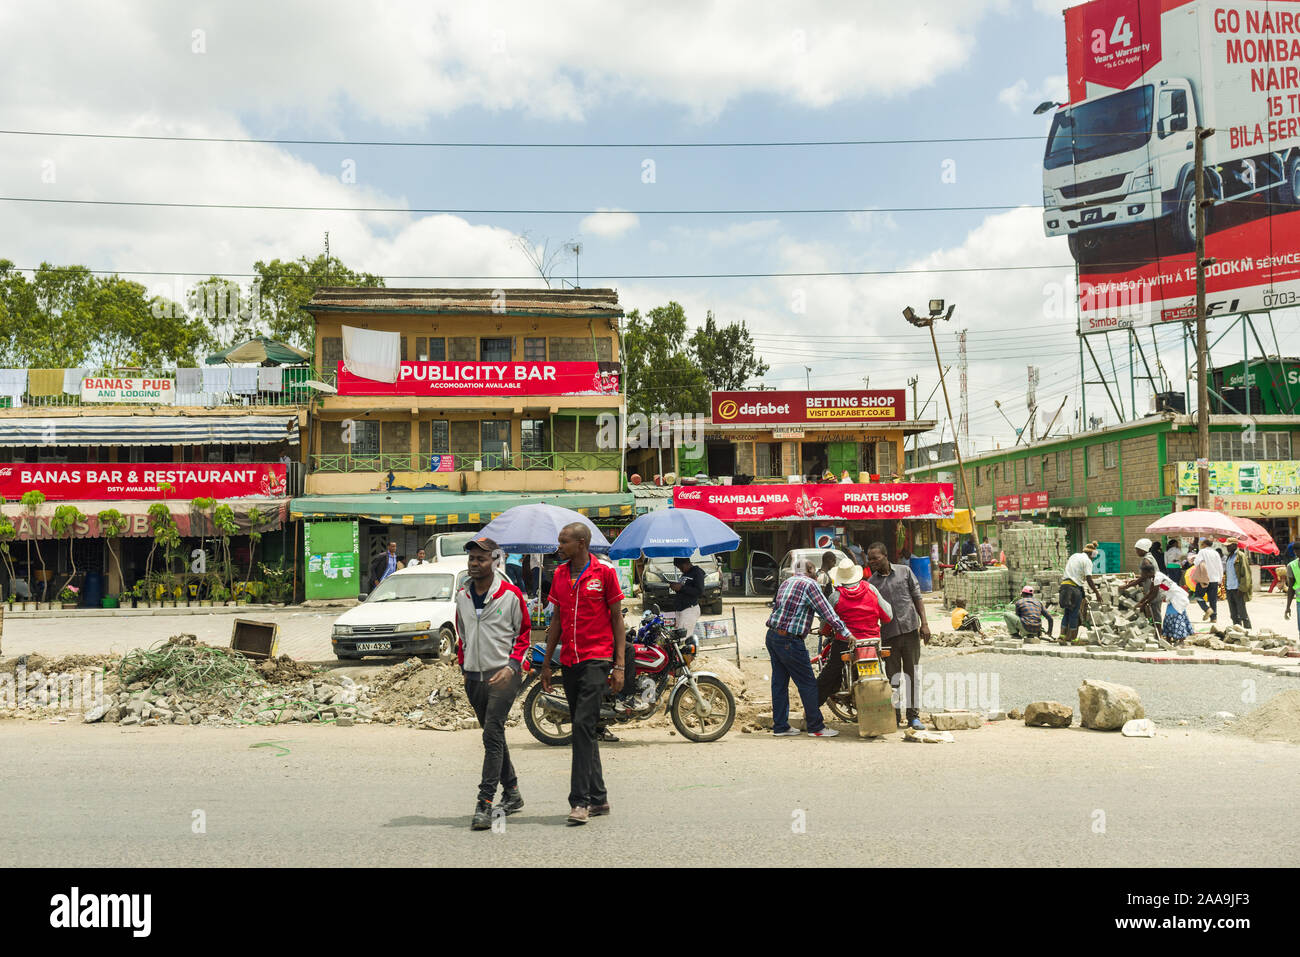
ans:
(542, 723)
(722, 710)
(841, 705)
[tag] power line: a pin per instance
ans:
(608, 276)
(438, 210)
(456, 144)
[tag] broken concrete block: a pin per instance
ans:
(1105, 706)
(1048, 714)
(1138, 728)
(955, 721)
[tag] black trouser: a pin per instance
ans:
(904, 655)
(491, 704)
(1237, 608)
(832, 673)
(629, 670)
(1208, 593)
(584, 685)
(971, 624)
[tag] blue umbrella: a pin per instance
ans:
(674, 533)
(535, 529)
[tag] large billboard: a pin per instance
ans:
(805, 408)
(1118, 169)
(136, 480)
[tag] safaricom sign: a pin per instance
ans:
(802, 408)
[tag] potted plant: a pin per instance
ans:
(110, 601)
(65, 522)
(69, 597)
(220, 593)
(135, 595)
(32, 500)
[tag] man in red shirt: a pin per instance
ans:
(587, 623)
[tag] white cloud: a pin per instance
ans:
(609, 222)
(1019, 97)
(403, 62)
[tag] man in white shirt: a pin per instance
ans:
(419, 558)
(1078, 571)
(1209, 574)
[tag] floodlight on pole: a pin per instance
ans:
(1046, 105)
(927, 322)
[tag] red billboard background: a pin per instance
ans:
(856, 502)
(812, 407)
(487, 378)
(138, 480)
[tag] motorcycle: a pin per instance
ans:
(701, 705)
(864, 658)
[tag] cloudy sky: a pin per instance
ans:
(965, 71)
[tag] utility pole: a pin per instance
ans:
(1202, 349)
(807, 377)
(936, 313)
(916, 414)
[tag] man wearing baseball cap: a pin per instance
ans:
(1027, 617)
(494, 628)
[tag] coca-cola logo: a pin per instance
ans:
(6, 472)
(691, 494)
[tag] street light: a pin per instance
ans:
(927, 322)
(807, 377)
(1043, 107)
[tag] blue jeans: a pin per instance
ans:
(790, 662)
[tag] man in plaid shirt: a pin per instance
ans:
(797, 600)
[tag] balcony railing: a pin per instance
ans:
(465, 462)
(292, 392)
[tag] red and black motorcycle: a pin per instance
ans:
(701, 705)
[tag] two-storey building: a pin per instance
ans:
(502, 397)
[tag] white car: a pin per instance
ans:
(411, 613)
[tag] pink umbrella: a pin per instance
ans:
(1257, 538)
(1197, 521)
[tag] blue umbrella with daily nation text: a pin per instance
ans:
(674, 533)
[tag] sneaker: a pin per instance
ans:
(916, 725)
(787, 733)
(598, 810)
(577, 815)
(824, 733)
(482, 816)
(512, 800)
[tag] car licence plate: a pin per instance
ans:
(868, 669)
(374, 646)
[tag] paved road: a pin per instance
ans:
(1004, 794)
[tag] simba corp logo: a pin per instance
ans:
(76, 910)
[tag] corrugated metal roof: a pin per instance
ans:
(555, 302)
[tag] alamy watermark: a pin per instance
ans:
(64, 690)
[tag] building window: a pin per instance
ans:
(1237, 446)
(439, 437)
(1062, 466)
(431, 349)
(767, 460)
(535, 349)
(1029, 470)
(494, 442)
(979, 477)
(1090, 461)
(1111, 452)
(581, 349)
(1006, 471)
(1042, 470)
(495, 350)
(331, 352)
(534, 435)
(365, 437)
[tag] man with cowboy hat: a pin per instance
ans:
(1027, 616)
(1078, 571)
(860, 606)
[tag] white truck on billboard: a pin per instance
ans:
(1119, 158)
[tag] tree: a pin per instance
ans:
(286, 286)
(65, 522)
(33, 500)
(661, 372)
(7, 536)
(223, 517)
(111, 525)
(726, 354)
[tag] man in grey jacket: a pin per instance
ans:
(493, 631)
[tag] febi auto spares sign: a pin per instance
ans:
(488, 378)
(803, 408)
(118, 390)
(1119, 160)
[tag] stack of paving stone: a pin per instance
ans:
(1113, 621)
(988, 590)
(1035, 554)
